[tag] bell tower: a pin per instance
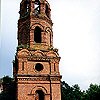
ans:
(36, 65)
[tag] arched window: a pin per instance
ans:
(26, 5)
(37, 35)
(24, 8)
(39, 95)
(37, 7)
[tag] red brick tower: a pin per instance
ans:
(36, 66)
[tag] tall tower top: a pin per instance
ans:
(35, 8)
(35, 24)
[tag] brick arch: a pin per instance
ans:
(48, 30)
(38, 53)
(52, 53)
(35, 25)
(49, 35)
(35, 88)
(23, 52)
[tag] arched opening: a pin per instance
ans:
(26, 5)
(37, 35)
(24, 8)
(37, 7)
(39, 95)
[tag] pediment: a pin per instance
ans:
(52, 54)
(38, 53)
(23, 52)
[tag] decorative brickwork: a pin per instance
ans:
(36, 65)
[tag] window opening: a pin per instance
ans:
(54, 67)
(37, 7)
(37, 35)
(22, 65)
(39, 67)
(26, 6)
(39, 95)
(50, 38)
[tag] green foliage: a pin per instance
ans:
(26, 46)
(93, 92)
(71, 93)
(8, 89)
(74, 92)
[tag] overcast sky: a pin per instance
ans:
(76, 32)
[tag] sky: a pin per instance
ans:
(76, 33)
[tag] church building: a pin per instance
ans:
(36, 65)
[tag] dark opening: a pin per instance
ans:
(37, 7)
(24, 9)
(47, 10)
(39, 67)
(39, 95)
(26, 6)
(22, 65)
(54, 67)
(37, 35)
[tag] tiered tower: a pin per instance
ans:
(36, 65)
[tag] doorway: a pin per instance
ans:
(39, 95)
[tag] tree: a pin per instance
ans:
(77, 93)
(8, 89)
(74, 92)
(93, 92)
(71, 93)
(66, 91)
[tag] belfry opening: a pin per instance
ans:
(37, 34)
(37, 7)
